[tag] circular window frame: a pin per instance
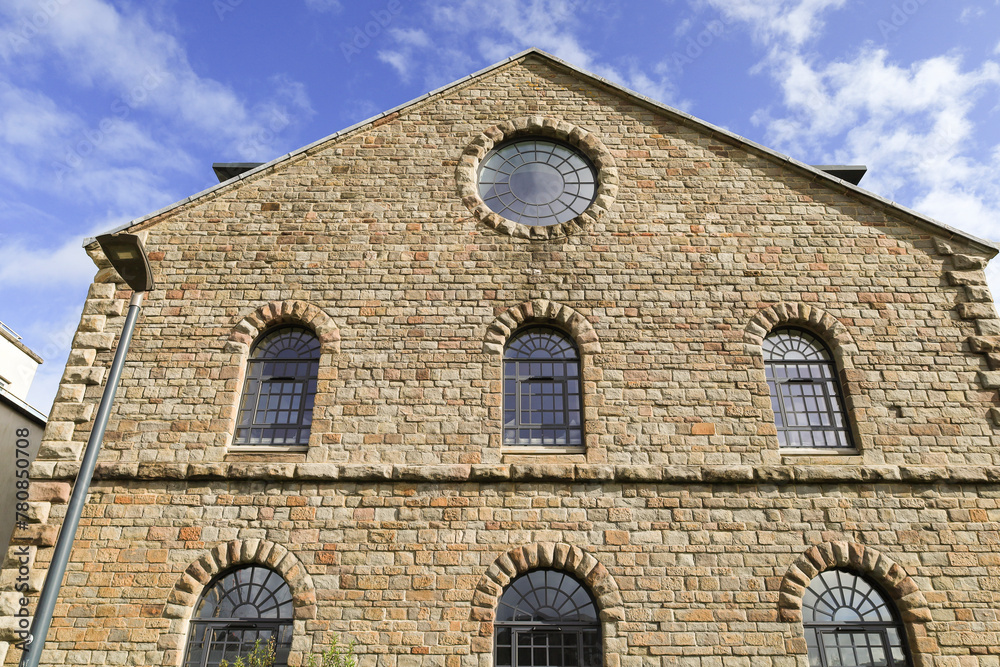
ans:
(543, 150)
(542, 128)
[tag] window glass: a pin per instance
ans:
(546, 618)
(542, 403)
(850, 623)
(537, 182)
(280, 389)
(805, 394)
(239, 608)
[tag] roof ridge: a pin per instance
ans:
(659, 106)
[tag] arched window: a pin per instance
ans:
(849, 623)
(805, 393)
(280, 388)
(541, 389)
(545, 617)
(240, 607)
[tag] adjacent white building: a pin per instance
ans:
(18, 420)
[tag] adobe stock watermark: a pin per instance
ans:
(223, 7)
(30, 26)
(362, 36)
(57, 342)
(22, 554)
(901, 14)
(697, 45)
(121, 109)
(261, 140)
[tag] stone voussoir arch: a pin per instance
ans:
(541, 311)
(189, 587)
(558, 556)
(814, 318)
(866, 561)
(291, 311)
(199, 574)
(466, 174)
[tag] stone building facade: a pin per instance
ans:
(404, 519)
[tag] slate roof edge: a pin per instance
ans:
(936, 225)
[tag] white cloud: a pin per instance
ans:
(505, 27)
(128, 110)
(143, 67)
(398, 61)
(970, 14)
(914, 125)
(870, 93)
(791, 21)
(683, 26)
(26, 263)
(413, 37)
(111, 162)
(51, 339)
(30, 119)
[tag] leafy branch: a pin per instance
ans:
(265, 655)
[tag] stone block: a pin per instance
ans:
(85, 375)
(49, 492)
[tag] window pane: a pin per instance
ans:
(244, 606)
(541, 388)
(805, 394)
(287, 361)
(848, 622)
(547, 619)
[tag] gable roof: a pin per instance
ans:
(813, 172)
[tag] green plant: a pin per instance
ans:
(261, 655)
(337, 655)
(264, 655)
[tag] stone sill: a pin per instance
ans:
(524, 472)
(268, 449)
(820, 457)
(535, 451)
(267, 454)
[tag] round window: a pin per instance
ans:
(537, 182)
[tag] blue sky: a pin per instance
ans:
(110, 109)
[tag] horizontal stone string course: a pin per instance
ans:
(527, 472)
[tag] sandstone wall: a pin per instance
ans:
(404, 497)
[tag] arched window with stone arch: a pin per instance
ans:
(546, 617)
(542, 393)
(806, 396)
(277, 402)
(239, 607)
(849, 622)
